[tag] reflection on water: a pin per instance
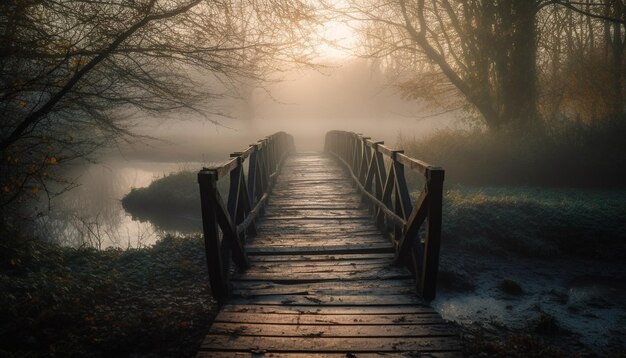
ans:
(92, 214)
(184, 223)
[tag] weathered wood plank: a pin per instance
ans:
(357, 285)
(260, 353)
(323, 344)
(317, 319)
(317, 277)
(364, 263)
(274, 212)
(312, 231)
(330, 250)
(309, 234)
(306, 217)
(329, 310)
(321, 243)
(335, 300)
(353, 202)
(303, 237)
(332, 330)
(313, 289)
(322, 257)
(323, 267)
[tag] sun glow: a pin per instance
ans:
(337, 40)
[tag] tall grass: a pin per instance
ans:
(572, 154)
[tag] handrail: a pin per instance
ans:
(246, 201)
(387, 192)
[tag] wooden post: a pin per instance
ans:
(381, 179)
(208, 189)
(252, 175)
(235, 188)
(365, 156)
(434, 187)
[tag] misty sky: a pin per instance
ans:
(347, 95)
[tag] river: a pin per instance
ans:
(92, 213)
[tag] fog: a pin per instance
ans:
(348, 94)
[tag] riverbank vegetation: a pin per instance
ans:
(68, 302)
(570, 154)
(175, 192)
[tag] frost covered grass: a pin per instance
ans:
(59, 301)
(536, 221)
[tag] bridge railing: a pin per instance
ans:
(387, 192)
(226, 225)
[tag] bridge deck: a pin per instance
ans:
(322, 281)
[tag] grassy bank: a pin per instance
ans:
(176, 192)
(536, 221)
(62, 302)
(170, 201)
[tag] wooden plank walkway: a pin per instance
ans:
(322, 281)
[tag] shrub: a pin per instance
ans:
(176, 192)
(572, 154)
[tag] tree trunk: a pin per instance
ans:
(519, 88)
(617, 46)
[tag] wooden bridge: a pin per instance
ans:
(337, 266)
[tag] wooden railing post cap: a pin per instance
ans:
(236, 154)
(208, 175)
(435, 173)
(395, 152)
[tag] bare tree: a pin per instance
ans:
(74, 72)
(485, 52)
(581, 62)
